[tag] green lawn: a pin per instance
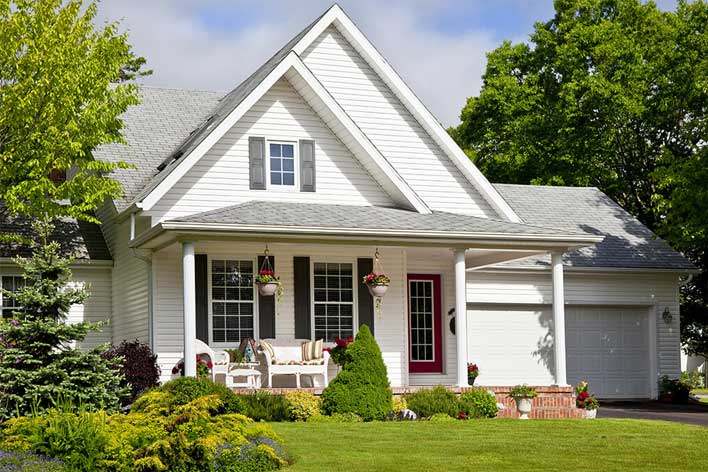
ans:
(498, 445)
(702, 391)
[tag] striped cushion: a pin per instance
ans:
(269, 349)
(312, 350)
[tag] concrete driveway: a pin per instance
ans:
(693, 413)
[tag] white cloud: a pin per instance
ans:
(443, 68)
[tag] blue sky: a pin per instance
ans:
(437, 46)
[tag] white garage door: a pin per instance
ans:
(609, 347)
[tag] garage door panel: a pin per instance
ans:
(609, 347)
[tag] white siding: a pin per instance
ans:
(389, 325)
(130, 281)
(657, 291)
(388, 124)
(221, 177)
(97, 307)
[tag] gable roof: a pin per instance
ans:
(627, 243)
(215, 122)
(77, 239)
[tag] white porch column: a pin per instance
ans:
(190, 308)
(461, 317)
(559, 318)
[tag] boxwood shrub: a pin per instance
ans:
(478, 403)
(184, 390)
(428, 402)
(264, 406)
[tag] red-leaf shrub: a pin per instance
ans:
(139, 365)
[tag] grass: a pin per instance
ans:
(500, 445)
(702, 391)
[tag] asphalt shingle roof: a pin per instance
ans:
(78, 239)
(628, 243)
(315, 215)
(153, 130)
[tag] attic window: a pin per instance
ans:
(281, 162)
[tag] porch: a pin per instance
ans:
(203, 268)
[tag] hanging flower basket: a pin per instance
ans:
(268, 284)
(377, 284)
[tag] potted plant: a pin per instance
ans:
(377, 284)
(522, 395)
(268, 284)
(338, 352)
(472, 373)
(586, 401)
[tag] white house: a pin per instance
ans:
(325, 156)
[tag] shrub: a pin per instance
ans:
(302, 405)
(428, 402)
(183, 390)
(677, 390)
(399, 404)
(263, 406)
(692, 379)
(38, 364)
(139, 366)
(195, 436)
(478, 403)
(25, 462)
(442, 418)
(362, 386)
(336, 418)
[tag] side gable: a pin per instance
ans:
(221, 175)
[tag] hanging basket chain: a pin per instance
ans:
(378, 266)
(266, 261)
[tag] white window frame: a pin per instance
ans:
(355, 291)
(231, 257)
(296, 166)
(11, 274)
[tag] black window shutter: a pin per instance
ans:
(201, 279)
(256, 163)
(301, 269)
(307, 165)
(364, 266)
(266, 308)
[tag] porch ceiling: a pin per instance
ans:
(356, 224)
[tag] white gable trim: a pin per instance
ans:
(335, 15)
(293, 67)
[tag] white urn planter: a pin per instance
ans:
(268, 290)
(523, 405)
(591, 414)
(377, 290)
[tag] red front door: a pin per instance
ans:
(424, 324)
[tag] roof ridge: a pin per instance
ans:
(585, 187)
(177, 89)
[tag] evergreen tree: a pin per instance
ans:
(40, 363)
(362, 386)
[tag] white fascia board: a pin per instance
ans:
(291, 61)
(344, 24)
(396, 184)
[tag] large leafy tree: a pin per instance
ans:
(62, 91)
(613, 94)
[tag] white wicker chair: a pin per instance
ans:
(292, 351)
(219, 359)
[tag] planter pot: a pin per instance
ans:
(268, 290)
(470, 381)
(523, 405)
(591, 414)
(377, 290)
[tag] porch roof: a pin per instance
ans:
(368, 222)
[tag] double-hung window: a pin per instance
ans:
(333, 300)
(232, 300)
(281, 161)
(8, 304)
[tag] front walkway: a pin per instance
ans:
(689, 414)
